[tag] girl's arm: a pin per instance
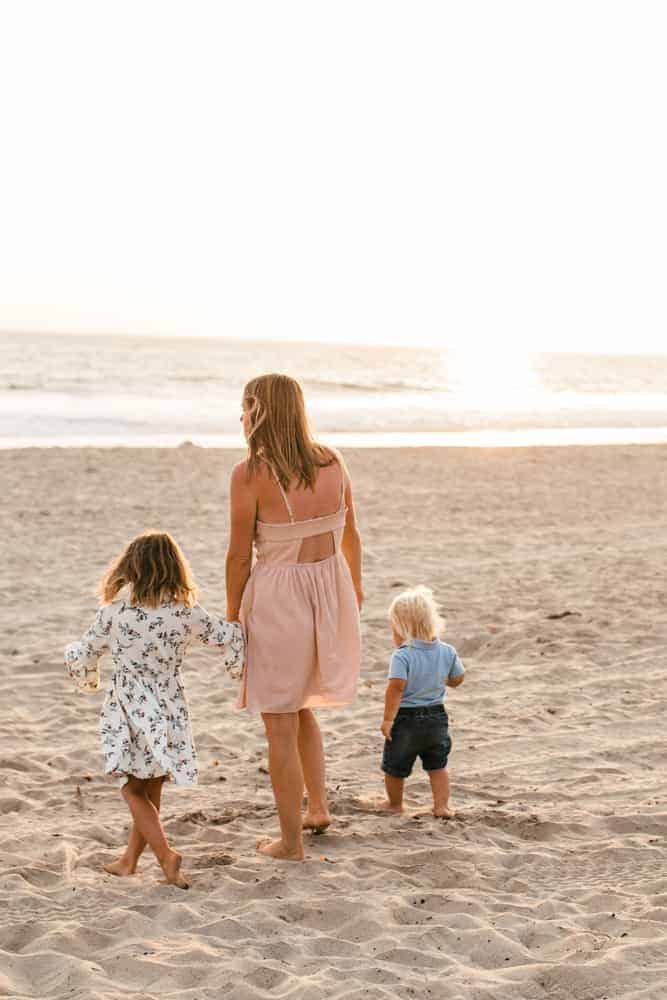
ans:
(228, 636)
(82, 658)
(351, 544)
(243, 514)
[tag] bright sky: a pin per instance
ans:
(461, 173)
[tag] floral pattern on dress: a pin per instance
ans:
(145, 722)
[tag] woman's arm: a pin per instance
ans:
(351, 544)
(243, 513)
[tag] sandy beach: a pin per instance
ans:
(551, 882)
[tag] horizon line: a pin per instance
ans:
(592, 352)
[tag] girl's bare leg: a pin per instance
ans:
(127, 862)
(282, 731)
(440, 788)
(147, 822)
(311, 752)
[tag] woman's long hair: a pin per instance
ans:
(155, 569)
(279, 431)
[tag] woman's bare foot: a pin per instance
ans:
(276, 849)
(171, 866)
(443, 812)
(317, 822)
(120, 867)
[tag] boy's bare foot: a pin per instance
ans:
(386, 806)
(120, 867)
(171, 867)
(443, 812)
(276, 849)
(317, 822)
(381, 805)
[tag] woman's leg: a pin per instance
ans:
(127, 863)
(282, 731)
(147, 822)
(311, 752)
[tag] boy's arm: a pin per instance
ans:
(456, 672)
(392, 701)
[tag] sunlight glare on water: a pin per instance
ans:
(495, 378)
(70, 390)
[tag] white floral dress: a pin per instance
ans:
(145, 723)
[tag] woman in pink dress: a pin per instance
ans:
(291, 499)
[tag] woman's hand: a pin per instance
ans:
(360, 597)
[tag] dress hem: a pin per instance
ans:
(340, 703)
(114, 772)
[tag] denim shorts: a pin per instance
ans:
(417, 732)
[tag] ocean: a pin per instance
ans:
(69, 390)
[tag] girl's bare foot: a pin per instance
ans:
(276, 849)
(317, 822)
(120, 867)
(171, 866)
(443, 812)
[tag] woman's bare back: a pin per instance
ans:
(305, 504)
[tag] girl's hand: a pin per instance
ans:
(360, 597)
(385, 727)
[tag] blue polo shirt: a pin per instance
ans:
(425, 666)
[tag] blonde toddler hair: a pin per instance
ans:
(414, 614)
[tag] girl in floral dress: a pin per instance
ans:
(145, 723)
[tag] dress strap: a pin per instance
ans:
(290, 512)
(287, 503)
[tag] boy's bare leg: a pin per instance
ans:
(147, 821)
(440, 788)
(311, 752)
(127, 862)
(394, 787)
